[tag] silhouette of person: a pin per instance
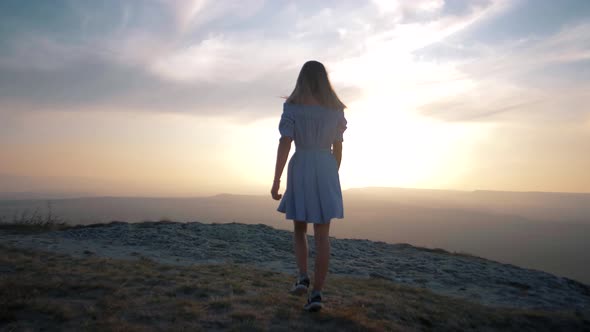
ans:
(313, 117)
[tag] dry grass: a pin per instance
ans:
(43, 291)
(33, 222)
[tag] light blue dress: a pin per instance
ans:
(313, 191)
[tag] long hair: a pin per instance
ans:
(313, 82)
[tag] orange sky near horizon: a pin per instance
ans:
(182, 155)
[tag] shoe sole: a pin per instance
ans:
(299, 290)
(313, 307)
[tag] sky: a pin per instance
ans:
(183, 98)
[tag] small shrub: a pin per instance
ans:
(35, 221)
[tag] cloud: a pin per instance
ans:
(402, 9)
(517, 80)
(224, 58)
(221, 59)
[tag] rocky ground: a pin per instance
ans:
(462, 276)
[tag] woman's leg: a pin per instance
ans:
(300, 239)
(322, 258)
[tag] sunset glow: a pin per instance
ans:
(183, 98)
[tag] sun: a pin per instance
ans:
(389, 144)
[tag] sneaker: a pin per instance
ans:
(300, 286)
(314, 303)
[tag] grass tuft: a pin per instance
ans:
(34, 221)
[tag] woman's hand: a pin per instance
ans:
(282, 155)
(274, 192)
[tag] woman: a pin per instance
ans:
(313, 117)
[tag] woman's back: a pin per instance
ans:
(312, 126)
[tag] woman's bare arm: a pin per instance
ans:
(337, 152)
(282, 155)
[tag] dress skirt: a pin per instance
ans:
(313, 192)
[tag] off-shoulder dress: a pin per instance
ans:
(313, 192)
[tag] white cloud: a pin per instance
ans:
(509, 81)
(334, 35)
(193, 14)
(203, 61)
(185, 11)
(399, 7)
(220, 58)
(364, 47)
